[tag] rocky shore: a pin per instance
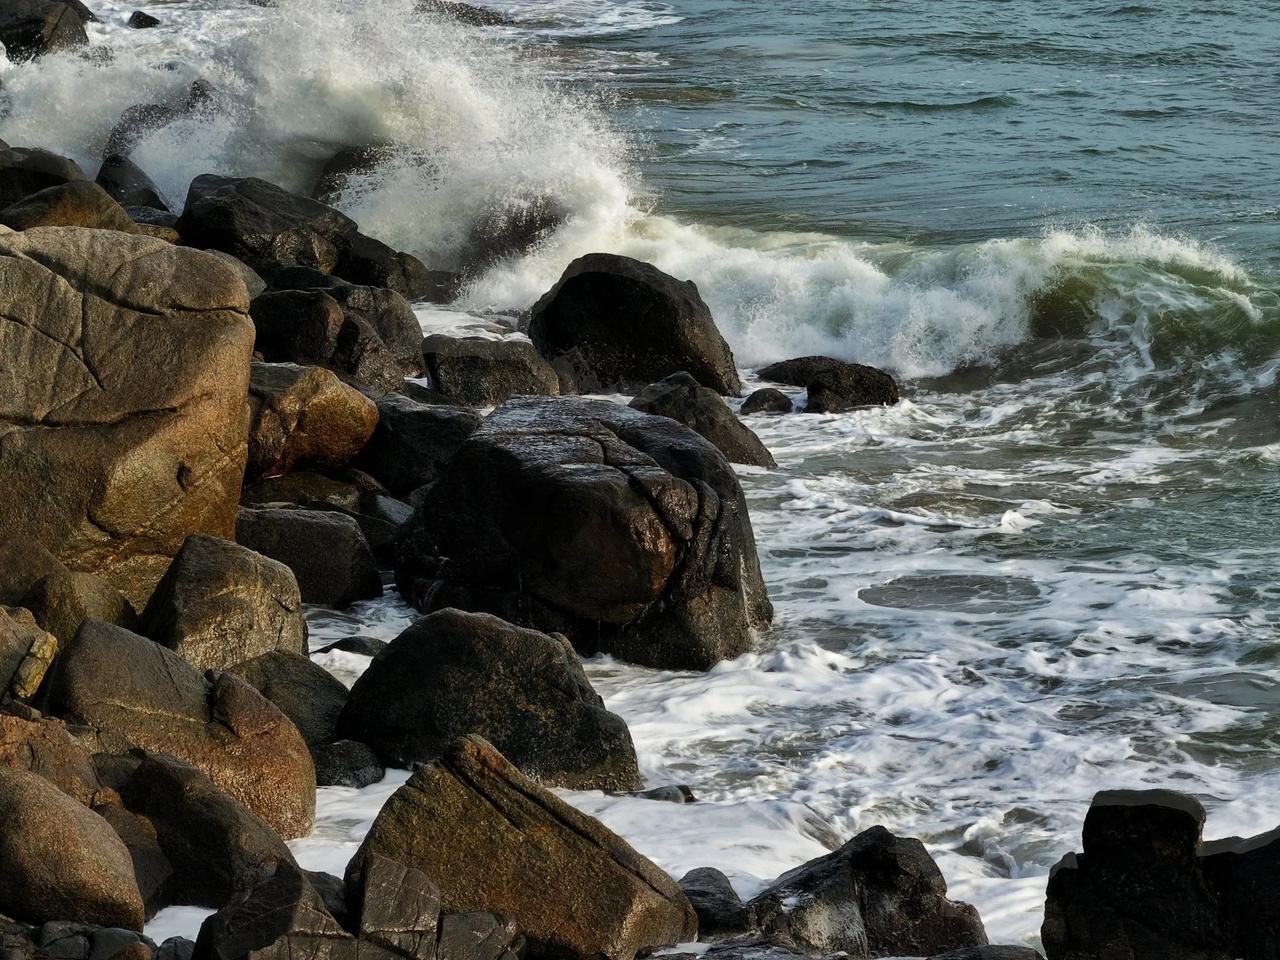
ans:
(211, 417)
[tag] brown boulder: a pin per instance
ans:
(65, 599)
(44, 746)
(495, 841)
(124, 366)
(79, 203)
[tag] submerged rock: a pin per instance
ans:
(142, 119)
(834, 386)
(767, 400)
(614, 323)
(626, 532)
(700, 408)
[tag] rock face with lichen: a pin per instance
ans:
(124, 367)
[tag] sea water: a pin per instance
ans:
(1050, 570)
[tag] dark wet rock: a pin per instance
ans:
(372, 263)
(1244, 872)
(348, 162)
(110, 678)
(59, 859)
(390, 316)
(509, 228)
(700, 408)
(626, 532)
(140, 431)
(43, 746)
(24, 562)
(305, 692)
(252, 281)
(310, 327)
(834, 386)
(143, 119)
(127, 184)
(79, 203)
(613, 323)
(478, 936)
(346, 763)
(481, 372)
(333, 893)
(215, 847)
(220, 604)
(27, 170)
(414, 441)
(721, 912)
(479, 829)
(670, 793)
(312, 491)
(26, 651)
(301, 278)
(326, 551)
(767, 400)
(364, 646)
(264, 225)
(304, 416)
(1139, 888)
(878, 895)
(64, 600)
(142, 21)
(175, 948)
(29, 28)
(398, 906)
(453, 673)
(989, 953)
(465, 13)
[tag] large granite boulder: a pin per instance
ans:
(700, 408)
(614, 323)
(626, 532)
(493, 840)
(877, 896)
(124, 366)
(59, 860)
(327, 552)
(413, 442)
(151, 697)
(453, 673)
(262, 224)
(483, 372)
(304, 416)
(79, 203)
(220, 604)
(29, 28)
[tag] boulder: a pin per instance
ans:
(305, 692)
(304, 416)
(414, 441)
(510, 226)
(75, 204)
(372, 263)
(478, 936)
(398, 907)
(262, 224)
(26, 651)
(453, 673)
(481, 372)
(23, 561)
(60, 860)
(721, 912)
(834, 386)
(310, 327)
(26, 170)
(349, 161)
(126, 183)
(215, 847)
(43, 746)
(253, 283)
(134, 437)
(613, 323)
(143, 119)
(326, 551)
(220, 604)
(877, 896)
(1243, 872)
(142, 21)
(346, 763)
(626, 532)
(494, 841)
(147, 694)
(29, 28)
(766, 400)
(64, 600)
(700, 408)
(389, 315)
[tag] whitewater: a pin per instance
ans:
(1050, 570)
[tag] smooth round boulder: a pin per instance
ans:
(834, 386)
(766, 400)
(79, 203)
(699, 408)
(305, 692)
(453, 673)
(29, 28)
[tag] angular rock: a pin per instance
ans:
(127, 184)
(346, 763)
(414, 441)
(262, 224)
(613, 323)
(479, 372)
(398, 907)
(220, 604)
(482, 831)
(142, 21)
(453, 673)
(721, 912)
(23, 561)
(766, 400)
(29, 28)
(326, 551)
(155, 700)
(834, 386)
(1243, 872)
(24, 170)
(75, 204)
(626, 532)
(26, 651)
(44, 746)
(478, 936)
(877, 896)
(305, 692)
(62, 601)
(133, 437)
(142, 119)
(304, 416)
(699, 408)
(61, 860)
(372, 263)
(390, 316)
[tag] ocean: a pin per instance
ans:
(1052, 569)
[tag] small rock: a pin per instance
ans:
(346, 763)
(398, 907)
(721, 912)
(142, 21)
(480, 372)
(304, 691)
(126, 183)
(699, 408)
(767, 400)
(64, 600)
